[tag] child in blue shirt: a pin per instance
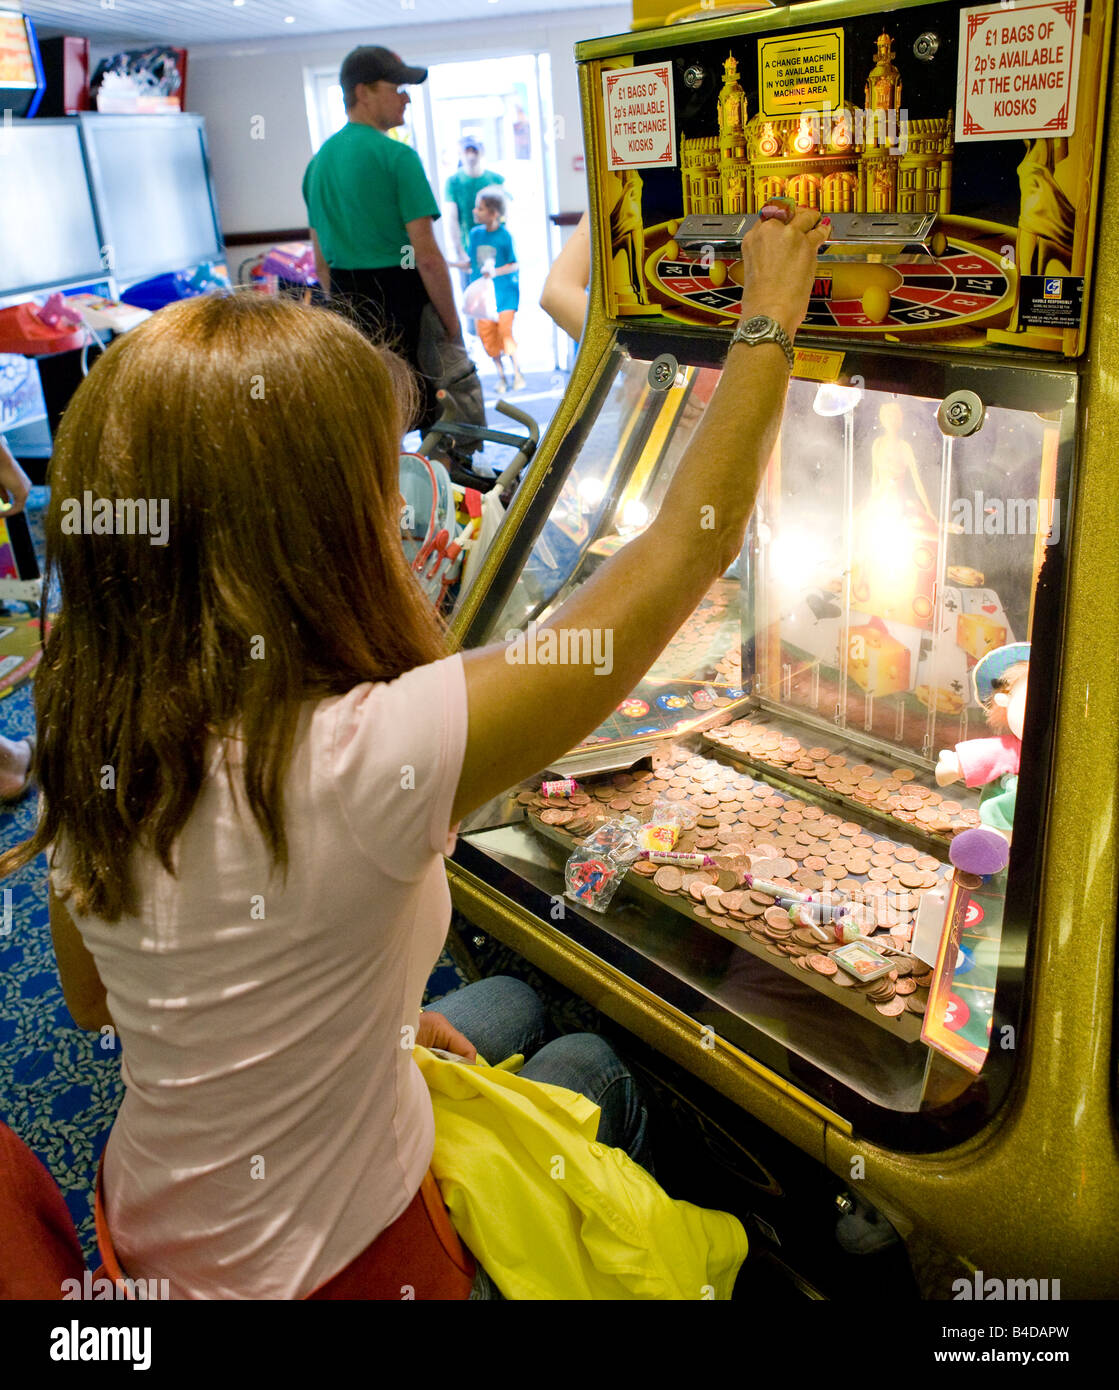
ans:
(492, 254)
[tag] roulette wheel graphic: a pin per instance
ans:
(968, 285)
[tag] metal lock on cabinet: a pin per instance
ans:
(960, 414)
(694, 76)
(662, 371)
(925, 46)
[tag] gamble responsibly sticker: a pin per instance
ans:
(1051, 301)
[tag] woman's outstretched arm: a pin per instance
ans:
(521, 716)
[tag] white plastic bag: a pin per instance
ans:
(479, 300)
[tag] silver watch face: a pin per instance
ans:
(752, 328)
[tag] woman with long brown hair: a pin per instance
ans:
(254, 749)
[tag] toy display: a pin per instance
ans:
(1000, 680)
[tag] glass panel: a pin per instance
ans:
(748, 1000)
(612, 492)
(891, 558)
(815, 703)
(583, 513)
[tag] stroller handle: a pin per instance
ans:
(521, 418)
(526, 447)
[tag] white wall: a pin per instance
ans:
(258, 180)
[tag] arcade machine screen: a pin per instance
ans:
(152, 187)
(48, 231)
(21, 72)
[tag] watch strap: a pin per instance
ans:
(774, 334)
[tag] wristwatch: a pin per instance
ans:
(763, 329)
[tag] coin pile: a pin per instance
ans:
(755, 913)
(749, 827)
(896, 793)
(702, 650)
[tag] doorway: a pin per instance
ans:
(506, 103)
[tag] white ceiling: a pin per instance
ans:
(220, 21)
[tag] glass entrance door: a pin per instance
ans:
(506, 104)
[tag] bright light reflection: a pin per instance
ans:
(791, 558)
(833, 399)
(590, 491)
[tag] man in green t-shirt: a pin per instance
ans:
(461, 194)
(459, 198)
(372, 213)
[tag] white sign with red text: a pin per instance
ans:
(640, 117)
(1018, 70)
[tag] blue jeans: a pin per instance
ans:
(502, 1016)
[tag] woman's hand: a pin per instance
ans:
(435, 1031)
(14, 483)
(778, 261)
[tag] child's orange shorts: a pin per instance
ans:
(497, 337)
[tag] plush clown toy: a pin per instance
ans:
(1000, 687)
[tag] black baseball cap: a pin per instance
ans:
(372, 64)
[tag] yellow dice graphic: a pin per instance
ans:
(876, 662)
(978, 634)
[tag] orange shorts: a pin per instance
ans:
(497, 337)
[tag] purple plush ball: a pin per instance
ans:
(979, 851)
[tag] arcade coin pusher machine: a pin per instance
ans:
(935, 525)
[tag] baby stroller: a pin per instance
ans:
(451, 511)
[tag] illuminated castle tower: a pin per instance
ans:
(882, 115)
(836, 160)
(882, 92)
(734, 171)
(714, 168)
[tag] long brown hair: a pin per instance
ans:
(272, 433)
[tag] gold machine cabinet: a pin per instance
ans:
(823, 676)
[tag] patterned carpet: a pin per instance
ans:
(60, 1087)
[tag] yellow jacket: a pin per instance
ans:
(549, 1213)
